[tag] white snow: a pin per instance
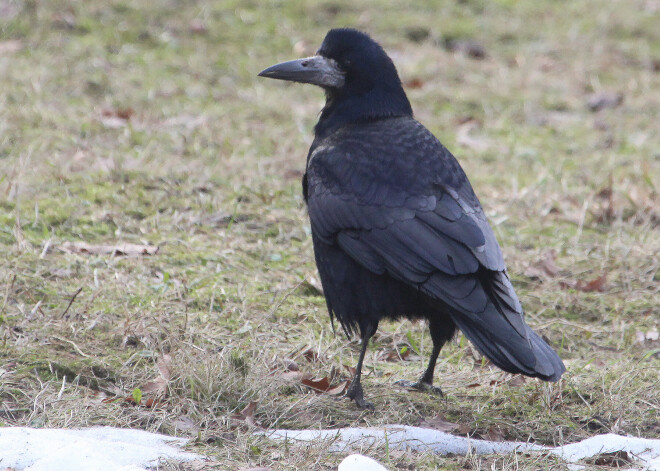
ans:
(92, 449)
(645, 452)
(112, 449)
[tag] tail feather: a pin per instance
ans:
(492, 319)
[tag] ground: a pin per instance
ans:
(145, 123)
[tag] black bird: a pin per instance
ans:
(397, 229)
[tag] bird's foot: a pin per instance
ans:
(355, 393)
(421, 386)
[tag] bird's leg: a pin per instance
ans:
(355, 389)
(440, 333)
(425, 383)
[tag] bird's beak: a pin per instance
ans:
(317, 70)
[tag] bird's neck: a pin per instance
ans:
(378, 103)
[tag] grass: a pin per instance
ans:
(145, 123)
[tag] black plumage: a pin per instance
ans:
(397, 229)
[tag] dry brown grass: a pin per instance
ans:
(208, 165)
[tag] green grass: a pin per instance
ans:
(208, 168)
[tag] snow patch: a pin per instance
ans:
(93, 449)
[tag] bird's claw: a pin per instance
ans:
(356, 394)
(420, 386)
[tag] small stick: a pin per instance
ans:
(71, 301)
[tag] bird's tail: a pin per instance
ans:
(491, 317)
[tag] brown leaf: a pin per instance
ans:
(597, 284)
(246, 415)
(318, 385)
(121, 113)
(120, 249)
(158, 385)
(339, 389)
(310, 355)
(414, 83)
(153, 402)
(438, 423)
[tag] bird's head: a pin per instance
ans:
(359, 78)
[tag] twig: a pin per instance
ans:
(71, 301)
(75, 347)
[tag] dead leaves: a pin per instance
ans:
(597, 284)
(152, 393)
(545, 268)
(334, 384)
(120, 249)
(246, 416)
(158, 386)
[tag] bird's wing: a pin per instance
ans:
(399, 203)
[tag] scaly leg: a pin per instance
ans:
(355, 389)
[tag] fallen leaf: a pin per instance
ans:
(121, 249)
(310, 355)
(246, 415)
(414, 83)
(351, 370)
(158, 385)
(340, 389)
(438, 423)
(597, 284)
(155, 387)
(121, 113)
(318, 385)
